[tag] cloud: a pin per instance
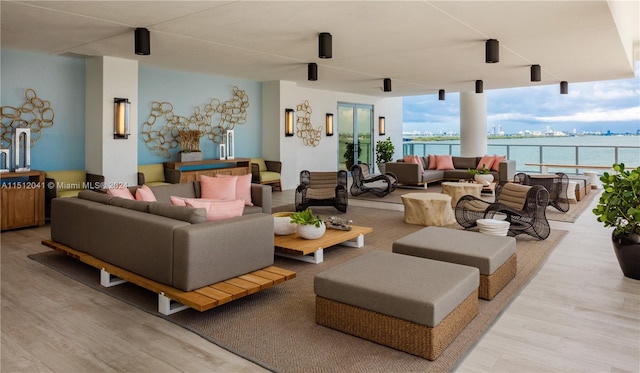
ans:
(602, 115)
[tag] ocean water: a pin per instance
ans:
(584, 150)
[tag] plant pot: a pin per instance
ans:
(382, 167)
(310, 231)
(484, 179)
(190, 156)
(627, 248)
(282, 224)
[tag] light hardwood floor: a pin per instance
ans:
(579, 314)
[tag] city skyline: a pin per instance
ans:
(602, 106)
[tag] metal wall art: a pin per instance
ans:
(217, 118)
(35, 114)
(304, 129)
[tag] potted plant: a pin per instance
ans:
(619, 207)
(309, 226)
(349, 155)
(384, 153)
(190, 146)
(482, 176)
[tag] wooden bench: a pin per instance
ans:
(202, 299)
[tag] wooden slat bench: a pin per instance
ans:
(202, 299)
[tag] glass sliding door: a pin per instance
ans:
(355, 131)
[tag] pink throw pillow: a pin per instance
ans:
(218, 210)
(414, 159)
(120, 192)
(432, 162)
(486, 161)
(444, 162)
(243, 188)
(496, 161)
(223, 188)
(144, 193)
(178, 201)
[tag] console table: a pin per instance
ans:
(191, 171)
(22, 199)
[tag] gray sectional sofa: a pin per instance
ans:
(409, 173)
(172, 245)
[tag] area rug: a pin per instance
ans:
(276, 328)
(575, 210)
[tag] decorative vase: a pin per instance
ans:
(282, 224)
(484, 179)
(382, 167)
(627, 248)
(310, 231)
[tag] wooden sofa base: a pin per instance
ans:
(420, 340)
(202, 299)
(492, 284)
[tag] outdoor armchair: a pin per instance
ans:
(322, 189)
(363, 182)
(266, 172)
(524, 207)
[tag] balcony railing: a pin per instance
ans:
(588, 155)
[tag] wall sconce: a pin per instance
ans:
(536, 73)
(492, 51)
(121, 118)
(479, 86)
(288, 122)
(142, 41)
(564, 87)
(329, 124)
(441, 95)
(381, 129)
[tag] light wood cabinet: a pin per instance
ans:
(21, 199)
(191, 171)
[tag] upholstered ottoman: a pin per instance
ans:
(494, 256)
(411, 304)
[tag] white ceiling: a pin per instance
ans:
(422, 46)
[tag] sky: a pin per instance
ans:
(612, 105)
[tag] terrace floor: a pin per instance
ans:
(577, 314)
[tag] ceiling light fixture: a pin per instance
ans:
(536, 73)
(324, 45)
(142, 41)
(492, 51)
(564, 87)
(441, 95)
(479, 86)
(387, 85)
(312, 71)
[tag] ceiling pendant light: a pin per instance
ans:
(324, 45)
(441, 95)
(564, 87)
(387, 85)
(479, 86)
(536, 73)
(312, 71)
(142, 41)
(492, 51)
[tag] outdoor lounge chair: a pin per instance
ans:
(322, 189)
(380, 185)
(556, 184)
(523, 205)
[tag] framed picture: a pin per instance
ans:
(231, 151)
(223, 151)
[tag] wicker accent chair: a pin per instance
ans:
(361, 177)
(322, 189)
(524, 207)
(557, 188)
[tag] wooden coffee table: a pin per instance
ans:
(294, 247)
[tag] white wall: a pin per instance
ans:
(294, 155)
(115, 159)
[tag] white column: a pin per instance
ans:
(473, 124)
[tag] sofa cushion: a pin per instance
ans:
(218, 210)
(130, 204)
(464, 163)
(444, 162)
(163, 193)
(243, 188)
(486, 161)
(262, 166)
(183, 213)
(431, 163)
(144, 193)
(95, 196)
(68, 179)
(153, 173)
(218, 187)
(120, 192)
(496, 161)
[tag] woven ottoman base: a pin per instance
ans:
(492, 284)
(420, 340)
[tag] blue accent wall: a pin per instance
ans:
(185, 91)
(59, 80)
